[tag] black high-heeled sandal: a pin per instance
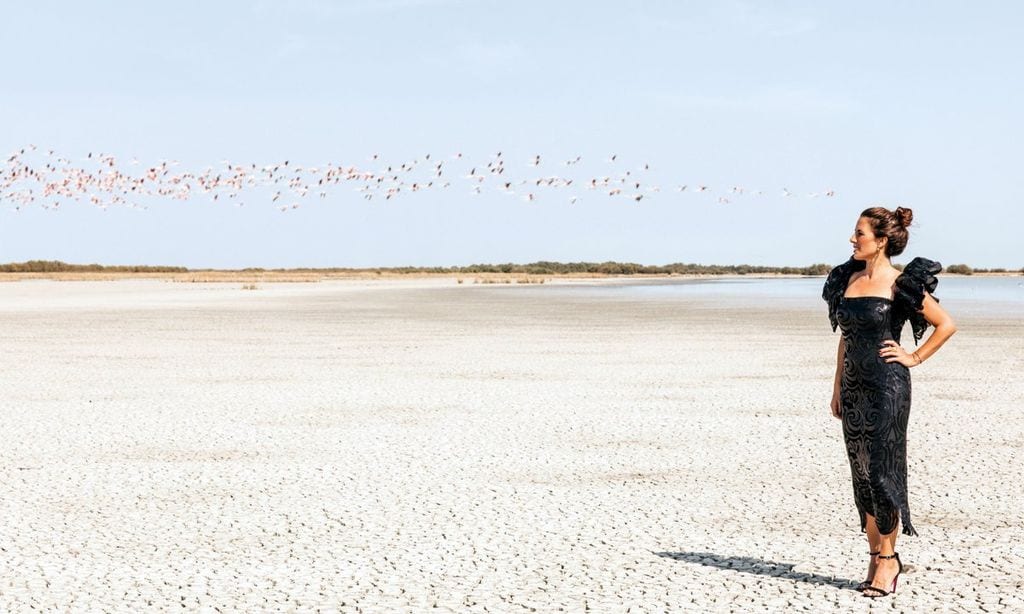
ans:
(866, 583)
(892, 589)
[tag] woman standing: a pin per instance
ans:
(870, 300)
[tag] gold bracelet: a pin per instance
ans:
(919, 361)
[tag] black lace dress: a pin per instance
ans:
(874, 394)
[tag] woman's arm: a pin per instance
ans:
(839, 363)
(840, 353)
(944, 329)
(943, 323)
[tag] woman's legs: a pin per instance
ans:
(874, 544)
(885, 569)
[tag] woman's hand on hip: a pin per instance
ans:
(893, 352)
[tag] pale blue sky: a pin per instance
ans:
(909, 103)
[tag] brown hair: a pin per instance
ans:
(892, 225)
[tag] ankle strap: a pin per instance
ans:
(874, 553)
(894, 555)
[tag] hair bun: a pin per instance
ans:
(904, 216)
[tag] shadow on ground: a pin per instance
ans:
(757, 567)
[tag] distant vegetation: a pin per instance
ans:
(56, 266)
(960, 269)
(535, 268)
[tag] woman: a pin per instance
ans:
(871, 300)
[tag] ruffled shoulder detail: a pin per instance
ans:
(835, 286)
(917, 277)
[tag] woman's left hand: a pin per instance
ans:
(893, 352)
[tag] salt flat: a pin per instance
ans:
(424, 445)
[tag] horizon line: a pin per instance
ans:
(540, 267)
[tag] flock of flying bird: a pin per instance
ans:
(32, 176)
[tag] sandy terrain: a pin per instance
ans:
(414, 445)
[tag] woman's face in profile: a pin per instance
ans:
(863, 239)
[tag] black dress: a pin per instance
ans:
(875, 395)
